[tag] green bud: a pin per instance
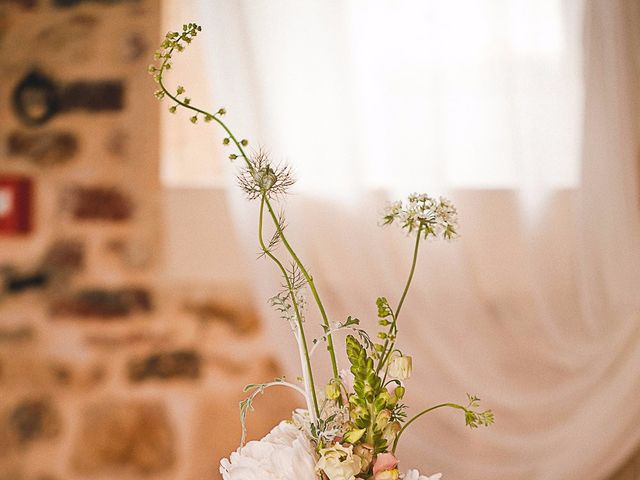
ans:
(353, 436)
(382, 335)
(332, 391)
(173, 109)
(244, 142)
(233, 156)
(187, 101)
(194, 119)
(222, 111)
(208, 118)
(399, 392)
(180, 90)
(225, 141)
(383, 419)
(384, 396)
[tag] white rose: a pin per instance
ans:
(283, 454)
(339, 463)
(415, 475)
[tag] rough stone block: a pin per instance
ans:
(26, 4)
(17, 334)
(210, 311)
(93, 96)
(33, 419)
(17, 282)
(103, 304)
(73, 37)
(165, 366)
(43, 149)
(73, 3)
(117, 436)
(133, 47)
(98, 203)
(64, 256)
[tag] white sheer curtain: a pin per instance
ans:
(536, 307)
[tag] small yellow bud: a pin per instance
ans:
(332, 391)
(233, 156)
(353, 436)
(244, 142)
(383, 419)
(226, 141)
(222, 111)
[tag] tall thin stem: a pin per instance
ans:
(392, 328)
(306, 361)
(314, 291)
(238, 145)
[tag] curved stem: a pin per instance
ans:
(414, 418)
(306, 361)
(314, 291)
(392, 328)
(238, 145)
(259, 389)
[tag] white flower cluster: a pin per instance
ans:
(285, 453)
(415, 475)
(438, 218)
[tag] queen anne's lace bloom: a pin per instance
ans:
(285, 453)
(437, 218)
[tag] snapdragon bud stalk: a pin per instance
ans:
(390, 432)
(382, 419)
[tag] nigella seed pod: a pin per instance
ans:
(265, 178)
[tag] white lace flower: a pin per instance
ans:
(283, 454)
(415, 475)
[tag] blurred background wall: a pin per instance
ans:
(109, 367)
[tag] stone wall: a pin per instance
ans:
(108, 369)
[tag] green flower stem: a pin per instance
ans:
(414, 418)
(392, 328)
(296, 308)
(238, 145)
(314, 291)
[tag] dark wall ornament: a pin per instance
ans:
(37, 98)
(43, 148)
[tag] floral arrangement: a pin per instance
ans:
(351, 427)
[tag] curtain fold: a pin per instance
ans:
(535, 308)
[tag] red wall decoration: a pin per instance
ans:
(16, 194)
